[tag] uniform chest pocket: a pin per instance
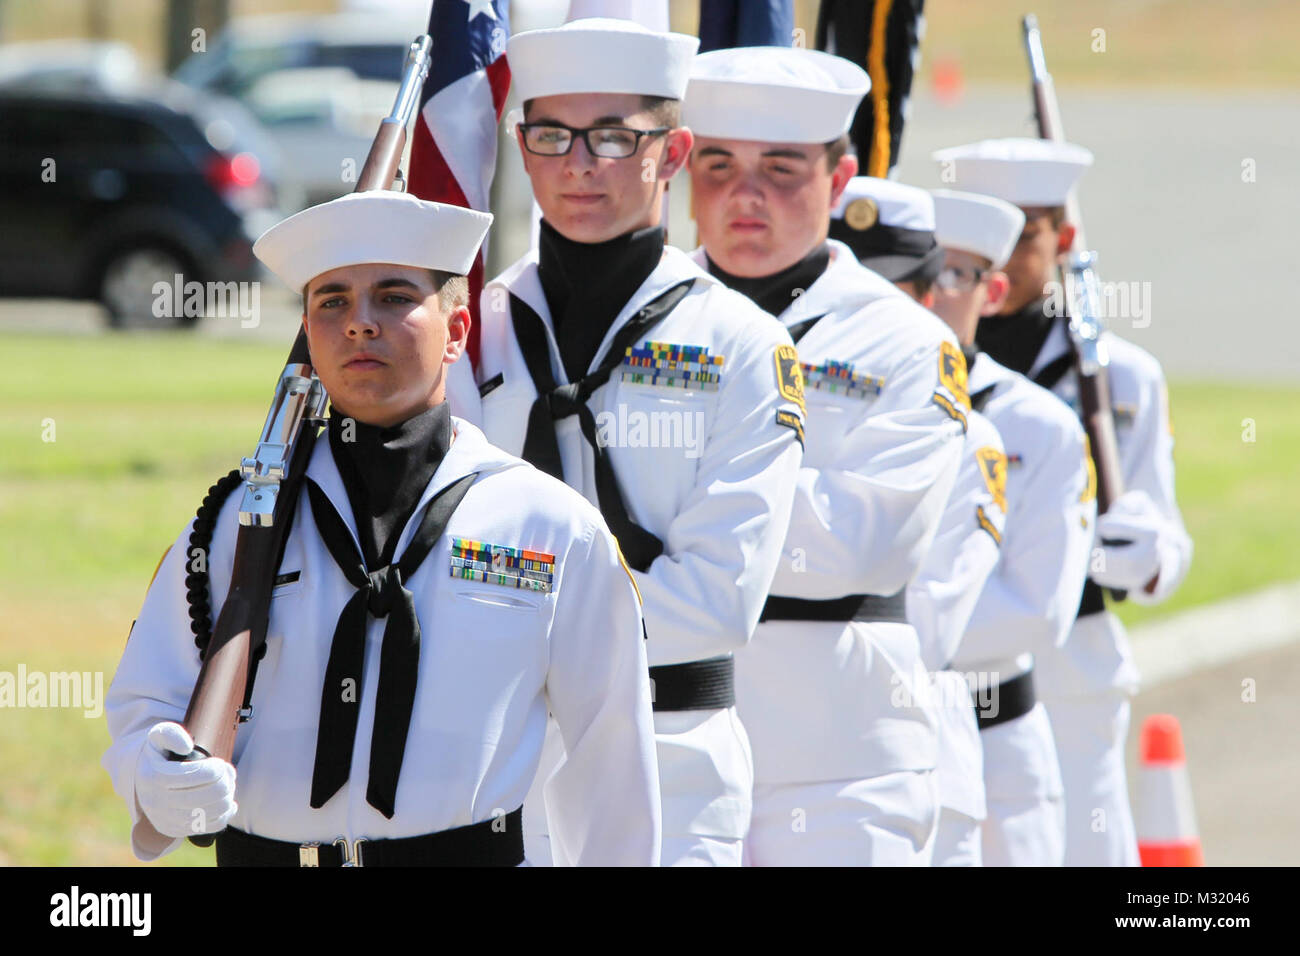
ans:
(492, 597)
(657, 417)
(829, 420)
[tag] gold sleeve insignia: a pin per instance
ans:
(993, 466)
(1090, 491)
(791, 420)
(952, 373)
(987, 524)
(789, 377)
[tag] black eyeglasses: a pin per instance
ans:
(957, 279)
(607, 142)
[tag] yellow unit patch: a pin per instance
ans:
(954, 411)
(952, 373)
(1090, 491)
(791, 420)
(789, 377)
(993, 466)
(986, 523)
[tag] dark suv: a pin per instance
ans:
(102, 196)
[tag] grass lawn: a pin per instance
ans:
(142, 424)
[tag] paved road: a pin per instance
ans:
(1242, 757)
(1165, 204)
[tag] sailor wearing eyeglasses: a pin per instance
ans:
(674, 404)
(1030, 600)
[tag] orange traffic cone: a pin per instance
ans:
(1166, 822)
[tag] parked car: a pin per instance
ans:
(103, 195)
(318, 84)
(70, 66)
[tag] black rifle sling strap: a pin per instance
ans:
(555, 402)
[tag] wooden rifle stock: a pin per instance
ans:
(1099, 423)
(273, 478)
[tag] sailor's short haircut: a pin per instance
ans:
(836, 150)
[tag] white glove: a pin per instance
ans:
(1132, 518)
(182, 798)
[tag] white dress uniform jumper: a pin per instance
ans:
(1025, 611)
(684, 427)
(832, 689)
(1087, 683)
(940, 601)
(510, 603)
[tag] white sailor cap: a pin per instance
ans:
(890, 228)
(373, 226)
(1024, 172)
(981, 225)
(600, 55)
(773, 95)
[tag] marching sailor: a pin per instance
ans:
(832, 687)
(900, 245)
(670, 401)
(1028, 603)
(417, 548)
(1140, 543)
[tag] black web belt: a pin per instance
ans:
(698, 685)
(888, 609)
(1012, 698)
(1093, 599)
(479, 844)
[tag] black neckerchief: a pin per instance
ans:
(1015, 340)
(587, 284)
(774, 293)
(385, 472)
(970, 353)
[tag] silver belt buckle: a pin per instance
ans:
(309, 854)
(351, 855)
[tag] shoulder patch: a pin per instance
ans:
(1090, 491)
(791, 420)
(789, 377)
(988, 525)
(952, 373)
(952, 394)
(993, 466)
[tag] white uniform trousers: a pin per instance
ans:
(1090, 731)
(1022, 785)
(887, 820)
(958, 841)
(706, 781)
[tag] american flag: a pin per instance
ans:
(454, 151)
